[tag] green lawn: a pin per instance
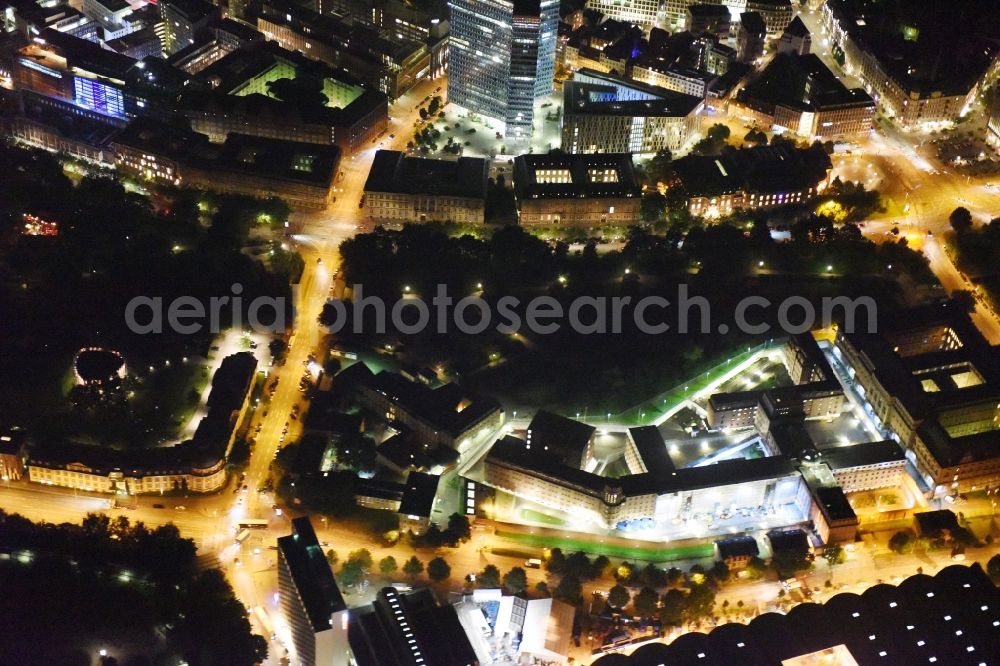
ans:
(539, 517)
(651, 554)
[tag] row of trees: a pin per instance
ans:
(359, 564)
(514, 581)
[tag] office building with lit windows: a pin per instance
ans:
(183, 20)
(301, 174)
(603, 113)
(798, 94)
(752, 178)
(924, 62)
(311, 602)
(638, 12)
(408, 629)
(501, 58)
(403, 189)
(586, 190)
(932, 381)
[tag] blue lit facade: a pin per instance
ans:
(501, 57)
(99, 97)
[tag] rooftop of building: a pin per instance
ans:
(112, 5)
(602, 99)
(379, 488)
(393, 171)
(833, 503)
(77, 53)
(403, 451)
(793, 540)
(418, 494)
(735, 399)
(762, 170)
(737, 546)
(239, 29)
(311, 574)
(12, 441)
(398, 629)
(560, 436)
(652, 449)
(753, 23)
(901, 356)
(558, 175)
(263, 108)
(801, 82)
(904, 624)
(709, 11)
(231, 382)
(927, 46)
(513, 452)
(244, 154)
(192, 10)
(446, 409)
(933, 523)
(863, 455)
(797, 28)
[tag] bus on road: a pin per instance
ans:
(252, 524)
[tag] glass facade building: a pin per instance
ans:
(502, 56)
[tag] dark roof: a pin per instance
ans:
(380, 634)
(309, 163)
(445, 409)
(513, 452)
(12, 441)
(794, 540)
(762, 170)
(311, 574)
(893, 357)
(563, 437)
(739, 546)
(379, 488)
(792, 438)
(393, 171)
(352, 376)
(581, 185)
(418, 495)
(834, 505)
(753, 22)
(709, 11)
(87, 56)
(250, 60)
(932, 523)
(801, 82)
(796, 28)
(927, 46)
(243, 32)
(232, 381)
(192, 10)
(735, 400)
(860, 455)
(652, 449)
(886, 624)
(404, 451)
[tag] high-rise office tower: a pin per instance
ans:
(501, 57)
(311, 602)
